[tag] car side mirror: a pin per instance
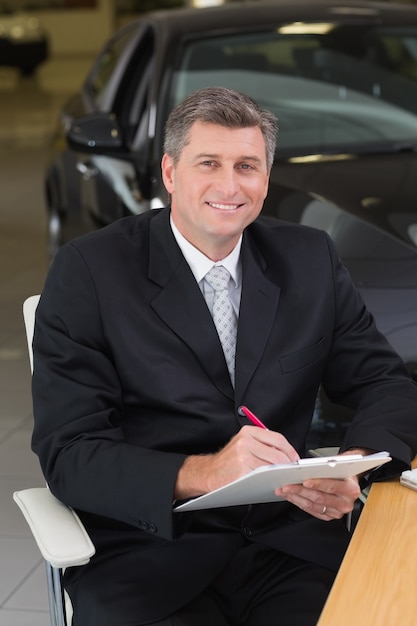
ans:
(97, 133)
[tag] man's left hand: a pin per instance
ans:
(325, 498)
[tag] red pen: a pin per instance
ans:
(243, 410)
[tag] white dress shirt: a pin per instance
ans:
(200, 264)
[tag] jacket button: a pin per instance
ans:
(152, 528)
(247, 531)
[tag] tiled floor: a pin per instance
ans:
(27, 111)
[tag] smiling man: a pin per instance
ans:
(215, 194)
(149, 336)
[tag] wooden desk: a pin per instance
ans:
(377, 584)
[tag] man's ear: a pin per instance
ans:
(167, 169)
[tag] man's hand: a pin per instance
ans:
(251, 448)
(325, 498)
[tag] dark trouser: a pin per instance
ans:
(259, 587)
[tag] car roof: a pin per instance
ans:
(262, 13)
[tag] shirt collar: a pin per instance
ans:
(200, 264)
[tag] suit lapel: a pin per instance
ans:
(258, 309)
(180, 303)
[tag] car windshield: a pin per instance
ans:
(351, 87)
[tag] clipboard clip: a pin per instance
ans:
(329, 460)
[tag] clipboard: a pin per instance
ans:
(258, 486)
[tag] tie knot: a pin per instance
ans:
(218, 278)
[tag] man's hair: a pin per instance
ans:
(221, 106)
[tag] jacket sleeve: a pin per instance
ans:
(78, 406)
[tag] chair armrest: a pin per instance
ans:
(56, 528)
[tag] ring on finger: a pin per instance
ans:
(324, 510)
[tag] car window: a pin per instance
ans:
(131, 102)
(103, 81)
(121, 78)
(331, 87)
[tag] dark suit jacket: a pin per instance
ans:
(130, 378)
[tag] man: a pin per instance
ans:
(136, 402)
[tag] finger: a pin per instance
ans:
(317, 509)
(277, 447)
(313, 501)
(347, 488)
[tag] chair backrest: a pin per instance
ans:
(29, 309)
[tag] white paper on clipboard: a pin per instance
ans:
(259, 485)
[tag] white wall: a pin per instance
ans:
(78, 31)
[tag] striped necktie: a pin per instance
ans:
(224, 316)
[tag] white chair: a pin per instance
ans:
(57, 530)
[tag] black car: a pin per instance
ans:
(24, 43)
(341, 78)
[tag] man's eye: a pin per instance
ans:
(245, 166)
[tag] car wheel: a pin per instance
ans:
(54, 233)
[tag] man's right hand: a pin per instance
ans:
(251, 448)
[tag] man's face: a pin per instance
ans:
(218, 185)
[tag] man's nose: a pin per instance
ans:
(227, 180)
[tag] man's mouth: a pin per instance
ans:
(224, 207)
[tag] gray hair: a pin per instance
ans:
(225, 107)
